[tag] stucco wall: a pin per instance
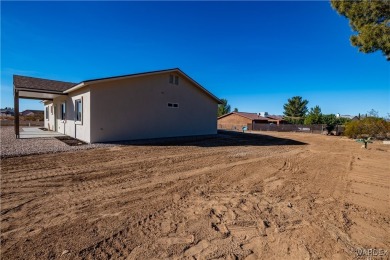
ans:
(137, 108)
(49, 123)
(79, 130)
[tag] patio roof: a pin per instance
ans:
(37, 88)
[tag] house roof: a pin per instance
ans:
(251, 116)
(34, 84)
(30, 83)
(275, 117)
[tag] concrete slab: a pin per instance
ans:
(35, 132)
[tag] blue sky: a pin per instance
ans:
(255, 54)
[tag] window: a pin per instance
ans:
(47, 112)
(173, 79)
(79, 110)
(63, 111)
(174, 105)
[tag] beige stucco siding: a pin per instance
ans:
(137, 108)
(69, 126)
(49, 122)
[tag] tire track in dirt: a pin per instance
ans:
(237, 202)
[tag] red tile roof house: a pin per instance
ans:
(165, 103)
(276, 119)
(237, 120)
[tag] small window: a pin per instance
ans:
(51, 109)
(175, 105)
(47, 112)
(79, 110)
(63, 111)
(173, 79)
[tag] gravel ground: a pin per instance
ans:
(12, 147)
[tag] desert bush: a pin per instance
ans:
(368, 127)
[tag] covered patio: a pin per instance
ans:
(35, 132)
(38, 89)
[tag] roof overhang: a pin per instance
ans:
(78, 86)
(38, 94)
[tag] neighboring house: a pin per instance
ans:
(165, 103)
(276, 119)
(7, 111)
(344, 116)
(237, 120)
(32, 112)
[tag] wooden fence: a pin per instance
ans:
(315, 129)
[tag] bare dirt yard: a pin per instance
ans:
(269, 196)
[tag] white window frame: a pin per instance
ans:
(77, 121)
(47, 113)
(62, 112)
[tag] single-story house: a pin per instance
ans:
(7, 111)
(237, 120)
(165, 103)
(276, 119)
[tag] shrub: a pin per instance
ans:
(368, 127)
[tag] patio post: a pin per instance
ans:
(16, 111)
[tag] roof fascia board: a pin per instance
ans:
(36, 98)
(41, 91)
(78, 86)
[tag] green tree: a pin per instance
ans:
(295, 109)
(371, 20)
(314, 116)
(330, 120)
(235, 109)
(223, 108)
(368, 127)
